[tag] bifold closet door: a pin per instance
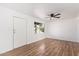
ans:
(19, 32)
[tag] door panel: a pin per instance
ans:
(19, 32)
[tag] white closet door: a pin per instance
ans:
(19, 32)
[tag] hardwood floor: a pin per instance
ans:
(46, 47)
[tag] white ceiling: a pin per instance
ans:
(41, 10)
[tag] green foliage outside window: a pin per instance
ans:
(38, 27)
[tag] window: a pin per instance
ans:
(38, 27)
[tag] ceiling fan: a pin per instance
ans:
(54, 15)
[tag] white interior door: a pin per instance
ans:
(19, 32)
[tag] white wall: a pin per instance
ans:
(6, 28)
(64, 29)
(77, 22)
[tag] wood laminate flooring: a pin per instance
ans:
(46, 47)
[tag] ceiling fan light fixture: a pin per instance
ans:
(52, 15)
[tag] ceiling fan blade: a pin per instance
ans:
(57, 14)
(57, 17)
(46, 17)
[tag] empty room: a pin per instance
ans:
(39, 29)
